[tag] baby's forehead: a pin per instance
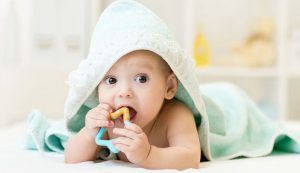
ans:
(142, 59)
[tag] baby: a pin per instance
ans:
(134, 62)
(162, 132)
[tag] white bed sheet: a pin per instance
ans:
(13, 158)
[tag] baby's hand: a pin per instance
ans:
(133, 142)
(98, 117)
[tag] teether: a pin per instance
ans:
(108, 143)
(123, 111)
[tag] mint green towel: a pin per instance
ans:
(44, 135)
(239, 128)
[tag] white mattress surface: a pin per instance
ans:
(14, 158)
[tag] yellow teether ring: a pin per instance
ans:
(123, 111)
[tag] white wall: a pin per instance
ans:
(22, 89)
(41, 41)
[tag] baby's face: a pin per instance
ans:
(139, 81)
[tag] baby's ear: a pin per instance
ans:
(172, 84)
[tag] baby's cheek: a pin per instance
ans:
(152, 109)
(106, 98)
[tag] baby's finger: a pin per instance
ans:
(125, 132)
(133, 127)
(101, 123)
(97, 117)
(105, 106)
(123, 140)
(102, 113)
(122, 147)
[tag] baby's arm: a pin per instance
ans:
(184, 146)
(82, 147)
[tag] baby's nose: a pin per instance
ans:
(125, 91)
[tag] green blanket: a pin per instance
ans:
(237, 127)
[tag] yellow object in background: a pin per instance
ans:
(201, 51)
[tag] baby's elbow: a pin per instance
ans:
(194, 160)
(70, 161)
(73, 161)
(195, 163)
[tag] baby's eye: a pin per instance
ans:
(110, 80)
(142, 78)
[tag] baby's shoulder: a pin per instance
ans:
(179, 122)
(174, 109)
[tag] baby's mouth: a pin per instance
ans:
(132, 112)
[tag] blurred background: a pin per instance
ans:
(252, 43)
